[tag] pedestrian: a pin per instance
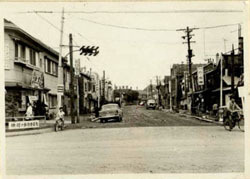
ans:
(215, 109)
(29, 112)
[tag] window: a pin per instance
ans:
(52, 101)
(86, 87)
(45, 64)
(54, 68)
(94, 88)
(32, 57)
(16, 50)
(49, 66)
(23, 52)
(89, 86)
(41, 63)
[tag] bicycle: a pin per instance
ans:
(59, 125)
(235, 118)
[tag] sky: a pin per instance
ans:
(137, 41)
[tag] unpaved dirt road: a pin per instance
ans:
(178, 149)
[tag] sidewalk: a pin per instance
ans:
(204, 117)
(47, 126)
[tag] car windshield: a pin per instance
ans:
(151, 101)
(110, 106)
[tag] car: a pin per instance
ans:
(142, 103)
(151, 103)
(110, 111)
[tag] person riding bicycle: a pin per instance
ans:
(60, 114)
(232, 107)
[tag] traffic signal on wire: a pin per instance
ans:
(87, 50)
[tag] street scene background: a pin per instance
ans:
(134, 88)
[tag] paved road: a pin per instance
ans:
(180, 145)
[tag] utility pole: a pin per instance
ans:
(103, 86)
(72, 90)
(60, 86)
(151, 89)
(232, 70)
(170, 91)
(158, 89)
(188, 37)
(221, 85)
(77, 68)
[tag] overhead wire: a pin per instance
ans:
(144, 12)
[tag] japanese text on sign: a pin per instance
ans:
(24, 124)
(200, 75)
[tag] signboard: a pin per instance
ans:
(24, 124)
(200, 75)
(7, 57)
(60, 89)
(241, 91)
(37, 79)
(77, 66)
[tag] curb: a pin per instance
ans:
(29, 132)
(203, 119)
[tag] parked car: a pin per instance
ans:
(142, 103)
(151, 103)
(110, 111)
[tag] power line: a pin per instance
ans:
(143, 12)
(146, 29)
(219, 26)
(125, 27)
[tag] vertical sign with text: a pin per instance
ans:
(200, 75)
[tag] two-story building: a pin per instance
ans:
(31, 71)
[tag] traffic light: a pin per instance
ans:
(89, 50)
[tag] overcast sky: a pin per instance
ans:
(137, 41)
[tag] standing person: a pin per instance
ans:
(29, 112)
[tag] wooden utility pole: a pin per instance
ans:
(72, 90)
(60, 86)
(232, 70)
(188, 37)
(103, 86)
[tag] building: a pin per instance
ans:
(178, 71)
(31, 70)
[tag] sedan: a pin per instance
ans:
(110, 111)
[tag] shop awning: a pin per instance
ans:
(23, 86)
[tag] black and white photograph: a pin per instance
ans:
(141, 88)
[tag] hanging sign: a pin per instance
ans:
(200, 75)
